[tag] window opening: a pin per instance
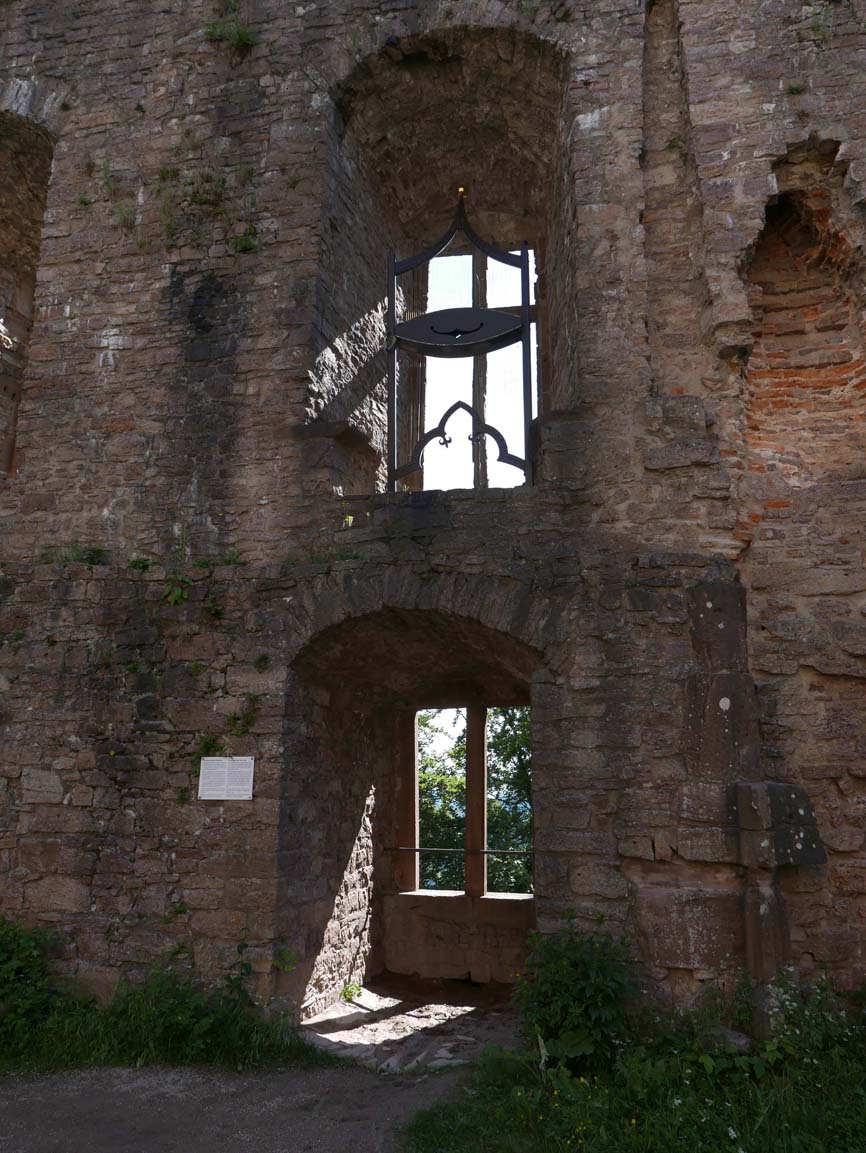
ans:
(490, 383)
(509, 800)
(474, 800)
(454, 332)
(441, 798)
(449, 285)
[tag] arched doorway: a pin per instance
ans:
(360, 685)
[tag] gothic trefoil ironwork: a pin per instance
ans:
(457, 332)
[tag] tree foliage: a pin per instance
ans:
(442, 797)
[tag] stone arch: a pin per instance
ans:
(474, 16)
(420, 657)
(504, 604)
(34, 100)
(26, 151)
(393, 187)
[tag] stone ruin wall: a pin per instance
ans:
(188, 392)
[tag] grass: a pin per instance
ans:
(231, 32)
(170, 1018)
(124, 215)
(239, 724)
(205, 191)
(788, 1112)
(210, 745)
(606, 1072)
(665, 1091)
(245, 241)
(167, 215)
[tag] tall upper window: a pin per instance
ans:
(473, 312)
(474, 800)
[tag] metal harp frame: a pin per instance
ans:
(487, 332)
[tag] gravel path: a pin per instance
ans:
(341, 1110)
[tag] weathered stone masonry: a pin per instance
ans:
(198, 236)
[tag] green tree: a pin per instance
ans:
(509, 799)
(442, 797)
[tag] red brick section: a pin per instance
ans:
(805, 377)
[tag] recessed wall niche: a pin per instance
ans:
(410, 125)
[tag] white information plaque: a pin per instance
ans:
(226, 779)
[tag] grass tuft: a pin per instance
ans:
(231, 32)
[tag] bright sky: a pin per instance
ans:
(450, 286)
(446, 726)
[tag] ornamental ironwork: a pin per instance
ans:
(457, 332)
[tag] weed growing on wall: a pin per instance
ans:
(210, 745)
(244, 241)
(239, 724)
(232, 33)
(205, 191)
(213, 607)
(228, 29)
(75, 554)
(285, 959)
(176, 589)
(124, 215)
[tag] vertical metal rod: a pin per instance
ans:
(476, 801)
(527, 358)
(479, 373)
(542, 332)
(391, 353)
(406, 867)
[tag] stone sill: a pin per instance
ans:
(492, 912)
(439, 894)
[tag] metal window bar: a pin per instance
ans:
(467, 852)
(479, 374)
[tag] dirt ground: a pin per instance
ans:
(339, 1110)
